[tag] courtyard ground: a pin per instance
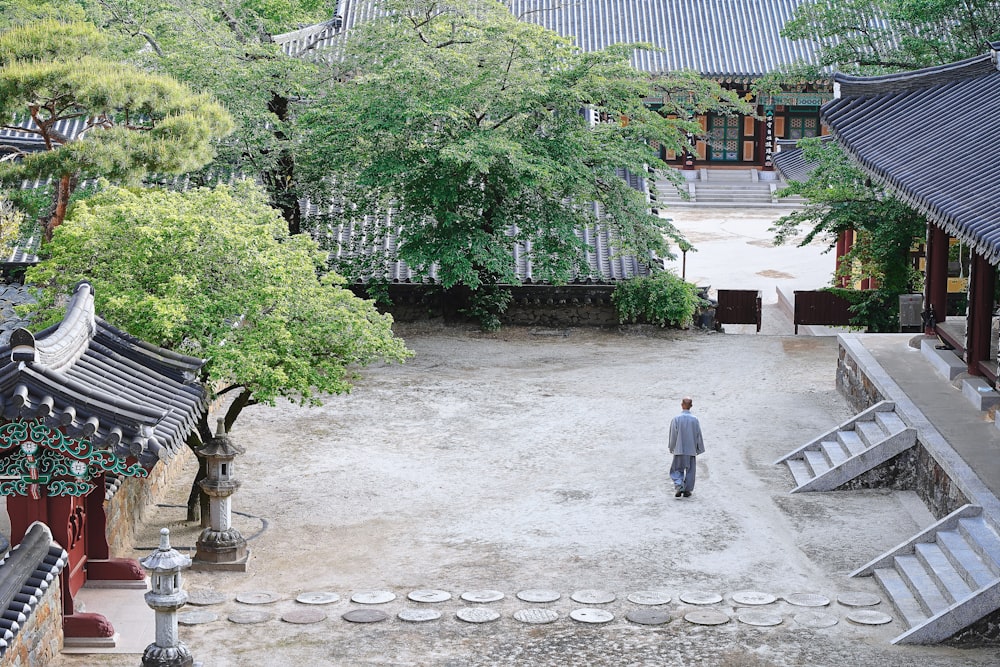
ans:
(536, 459)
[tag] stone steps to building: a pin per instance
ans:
(720, 188)
(852, 448)
(943, 579)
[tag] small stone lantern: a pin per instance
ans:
(166, 597)
(220, 546)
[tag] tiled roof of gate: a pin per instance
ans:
(98, 382)
(932, 136)
(26, 572)
(726, 39)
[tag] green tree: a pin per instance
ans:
(136, 122)
(466, 124)
(876, 36)
(214, 273)
(840, 199)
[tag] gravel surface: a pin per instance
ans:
(536, 459)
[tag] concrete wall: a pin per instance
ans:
(913, 470)
(38, 643)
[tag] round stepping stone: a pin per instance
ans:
(477, 614)
(753, 598)
(759, 618)
(373, 597)
(304, 616)
(648, 616)
(591, 596)
(815, 619)
(592, 615)
(650, 598)
(538, 595)
(365, 616)
(482, 596)
(205, 598)
(858, 599)
(536, 616)
(196, 617)
(700, 597)
(807, 600)
(419, 615)
(250, 617)
(869, 617)
(706, 617)
(257, 597)
(429, 596)
(317, 597)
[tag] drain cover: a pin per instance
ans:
(649, 597)
(373, 597)
(538, 595)
(365, 616)
(807, 600)
(815, 619)
(648, 616)
(537, 616)
(429, 596)
(706, 617)
(591, 596)
(482, 596)
(477, 614)
(304, 616)
(753, 598)
(317, 597)
(592, 615)
(419, 615)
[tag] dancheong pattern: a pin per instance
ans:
(37, 457)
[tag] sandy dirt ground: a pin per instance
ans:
(536, 459)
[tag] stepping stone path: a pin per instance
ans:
(373, 597)
(317, 597)
(700, 597)
(706, 617)
(759, 618)
(538, 595)
(419, 615)
(648, 597)
(198, 617)
(204, 598)
(304, 616)
(536, 616)
(869, 617)
(477, 614)
(365, 616)
(807, 600)
(250, 617)
(429, 596)
(858, 599)
(590, 596)
(257, 597)
(753, 598)
(592, 615)
(648, 616)
(482, 596)
(815, 619)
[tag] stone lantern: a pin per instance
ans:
(165, 598)
(220, 546)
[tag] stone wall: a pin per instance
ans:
(128, 506)
(40, 639)
(913, 470)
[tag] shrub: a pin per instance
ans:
(661, 298)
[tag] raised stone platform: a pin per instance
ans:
(944, 361)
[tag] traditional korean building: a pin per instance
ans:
(931, 137)
(86, 406)
(735, 42)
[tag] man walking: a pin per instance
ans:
(685, 444)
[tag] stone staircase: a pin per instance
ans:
(718, 187)
(944, 579)
(863, 442)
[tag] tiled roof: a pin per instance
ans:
(26, 573)
(791, 163)
(28, 141)
(726, 39)
(932, 136)
(94, 381)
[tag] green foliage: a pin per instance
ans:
(214, 273)
(11, 220)
(662, 299)
(488, 304)
(465, 123)
(877, 36)
(874, 310)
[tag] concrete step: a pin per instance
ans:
(817, 461)
(936, 562)
(869, 432)
(965, 559)
(851, 441)
(835, 452)
(983, 540)
(890, 422)
(901, 596)
(801, 472)
(921, 584)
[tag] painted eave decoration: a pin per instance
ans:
(83, 398)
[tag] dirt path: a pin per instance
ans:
(537, 460)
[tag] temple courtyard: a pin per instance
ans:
(533, 461)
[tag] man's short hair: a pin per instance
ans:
(686, 402)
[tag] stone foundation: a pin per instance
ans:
(984, 632)
(40, 640)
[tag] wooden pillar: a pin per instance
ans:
(980, 318)
(845, 241)
(936, 276)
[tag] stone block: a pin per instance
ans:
(980, 393)
(945, 362)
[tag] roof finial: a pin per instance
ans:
(220, 426)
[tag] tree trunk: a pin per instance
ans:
(64, 189)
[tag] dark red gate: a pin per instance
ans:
(738, 306)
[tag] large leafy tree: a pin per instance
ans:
(875, 36)
(466, 123)
(134, 122)
(214, 273)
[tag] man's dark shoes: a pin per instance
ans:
(679, 493)
(687, 494)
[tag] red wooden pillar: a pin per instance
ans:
(936, 275)
(980, 319)
(845, 241)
